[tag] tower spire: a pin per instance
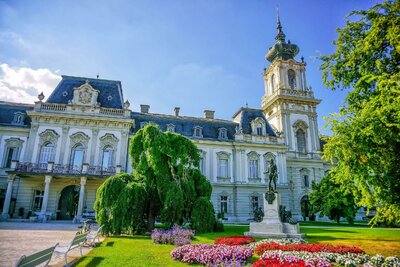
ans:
(280, 37)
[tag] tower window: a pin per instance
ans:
(292, 79)
(301, 140)
(273, 83)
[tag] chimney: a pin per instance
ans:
(176, 110)
(209, 114)
(144, 108)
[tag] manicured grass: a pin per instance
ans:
(140, 251)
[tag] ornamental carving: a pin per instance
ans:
(270, 197)
(14, 142)
(85, 95)
(79, 138)
(109, 140)
(48, 136)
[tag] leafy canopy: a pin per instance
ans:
(166, 183)
(365, 142)
(329, 200)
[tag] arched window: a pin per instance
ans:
(292, 79)
(106, 161)
(46, 153)
(197, 132)
(301, 140)
(273, 83)
(77, 156)
(222, 133)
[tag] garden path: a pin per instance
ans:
(23, 238)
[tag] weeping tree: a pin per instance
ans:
(165, 183)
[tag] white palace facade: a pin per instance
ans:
(54, 154)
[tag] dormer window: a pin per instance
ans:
(170, 128)
(198, 132)
(222, 133)
(19, 118)
(258, 126)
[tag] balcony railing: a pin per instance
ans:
(60, 169)
(70, 108)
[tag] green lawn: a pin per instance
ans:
(140, 251)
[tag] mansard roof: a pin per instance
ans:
(8, 109)
(246, 115)
(110, 95)
(185, 125)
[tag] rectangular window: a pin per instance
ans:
(259, 131)
(11, 155)
(253, 168)
(223, 168)
(37, 200)
(306, 181)
(224, 204)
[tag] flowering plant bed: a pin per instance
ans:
(282, 241)
(307, 248)
(212, 254)
(234, 240)
(174, 236)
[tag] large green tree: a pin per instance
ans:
(365, 143)
(166, 183)
(329, 200)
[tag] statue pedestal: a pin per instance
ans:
(271, 225)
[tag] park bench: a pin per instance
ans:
(91, 237)
(78, 241)
(37, 258)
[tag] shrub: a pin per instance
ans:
(174, 236)
(203, 215)
(234, 240)
(212, 254)
(218, 226)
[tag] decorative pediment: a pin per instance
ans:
(48, 136)
(253, 155)
(79, 138)
(300, 124)
(85, 95)
(14, 142)
(108, 140)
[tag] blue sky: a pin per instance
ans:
(193, 54)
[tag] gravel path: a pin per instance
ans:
(19, 238)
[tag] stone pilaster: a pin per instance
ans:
(7, 200)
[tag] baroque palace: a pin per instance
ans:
(55, 154)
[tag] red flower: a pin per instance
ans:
(234, 240)
(308, 248)
(277, 263)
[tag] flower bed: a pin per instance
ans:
(283, 241)
(348, 260)
(174, 236)
(212, 254)
(307, 247)
(234, 240)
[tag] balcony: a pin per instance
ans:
(64, 170)
(86, 110)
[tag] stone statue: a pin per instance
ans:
(272, 175)
(286, 215)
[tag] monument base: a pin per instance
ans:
(272, 226)
(277, 230)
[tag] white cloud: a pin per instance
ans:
(24, 84)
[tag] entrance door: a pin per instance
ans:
(68, 203)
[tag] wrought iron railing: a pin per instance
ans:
(61, 169)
